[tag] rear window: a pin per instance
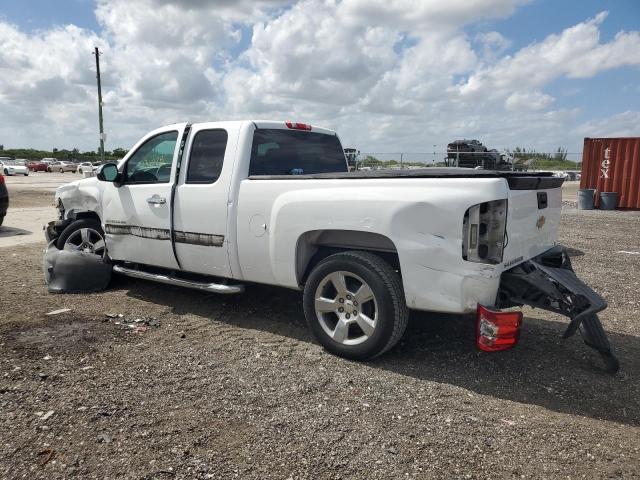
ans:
(295, 152)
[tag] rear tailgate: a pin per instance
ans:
(533, 217)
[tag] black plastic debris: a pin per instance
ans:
(73, 271)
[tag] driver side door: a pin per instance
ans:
(136, 214)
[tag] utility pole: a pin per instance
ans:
(97, 54)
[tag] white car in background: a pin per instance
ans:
(13, 167)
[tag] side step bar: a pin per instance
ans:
(155, 277)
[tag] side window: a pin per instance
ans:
(207, 156)
(151, 163)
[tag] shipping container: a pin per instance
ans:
(613, 165)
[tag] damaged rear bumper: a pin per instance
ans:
(549, 282)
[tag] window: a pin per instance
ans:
(151, 163)
(207, 156)
(294, 152)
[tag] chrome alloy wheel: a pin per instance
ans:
(86, 240)
(346, 308)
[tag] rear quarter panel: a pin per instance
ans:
(422, 217)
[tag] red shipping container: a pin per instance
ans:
(613, 165)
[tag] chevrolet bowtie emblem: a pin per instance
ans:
(540, 222)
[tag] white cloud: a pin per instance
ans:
(625, 124)
(388, 76)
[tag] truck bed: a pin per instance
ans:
(516, 180)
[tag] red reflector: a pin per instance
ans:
(497, 330)
(298, 126)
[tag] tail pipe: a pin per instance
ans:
(548, 282)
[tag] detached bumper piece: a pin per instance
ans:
(549, 282)
(74, 271)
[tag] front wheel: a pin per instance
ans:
(61, 170)
(84, 235)
(6, 172)
(354, 305)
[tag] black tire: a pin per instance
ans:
(6, 172)
(386, 285)
(26, 174)
(61, 170)
(77, 225)
(1, 219)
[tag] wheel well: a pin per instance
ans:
(316, 245)
(93, 215)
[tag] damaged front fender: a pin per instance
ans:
(80, 196)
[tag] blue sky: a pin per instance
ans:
(388, 76)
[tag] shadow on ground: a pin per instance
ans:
(563, 376)
(12, 232)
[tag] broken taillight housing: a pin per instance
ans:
(496, 330)
(483, 232)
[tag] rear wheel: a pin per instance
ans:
(84, 235)
(354, 305)
(61, 170)
(6, 172)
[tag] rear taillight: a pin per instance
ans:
(298, 126)
(497, 330)
(1, 179)
(483, 232)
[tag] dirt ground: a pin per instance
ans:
(192, 385)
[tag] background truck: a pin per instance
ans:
(212, 206)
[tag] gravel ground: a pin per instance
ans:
(205, 386)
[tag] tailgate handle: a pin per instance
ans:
(542, 200)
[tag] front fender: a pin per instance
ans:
(80, 196)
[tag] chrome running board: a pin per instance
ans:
(155, 277)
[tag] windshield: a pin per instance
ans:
(295, 152)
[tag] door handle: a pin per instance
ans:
(156, 199)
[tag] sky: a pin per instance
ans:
(403, 76)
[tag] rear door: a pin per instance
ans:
(202, 199)
(136, 215)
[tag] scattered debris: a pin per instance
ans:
(59, 311)
(628, 253)
(49, 452)
(392, 450)
(42, 376)
(104, 438)
(88, 367)
(47, 357)
(182, 334)
(47, 415)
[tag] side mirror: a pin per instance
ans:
(108, 172)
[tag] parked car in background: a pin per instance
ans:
(37, 166)
(13, 167)
(4, 199)
(85, 167)
(61, 166)
(88, 167)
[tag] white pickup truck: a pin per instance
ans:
(215, 205)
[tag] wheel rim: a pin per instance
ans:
(86, 240)
(346, 308)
